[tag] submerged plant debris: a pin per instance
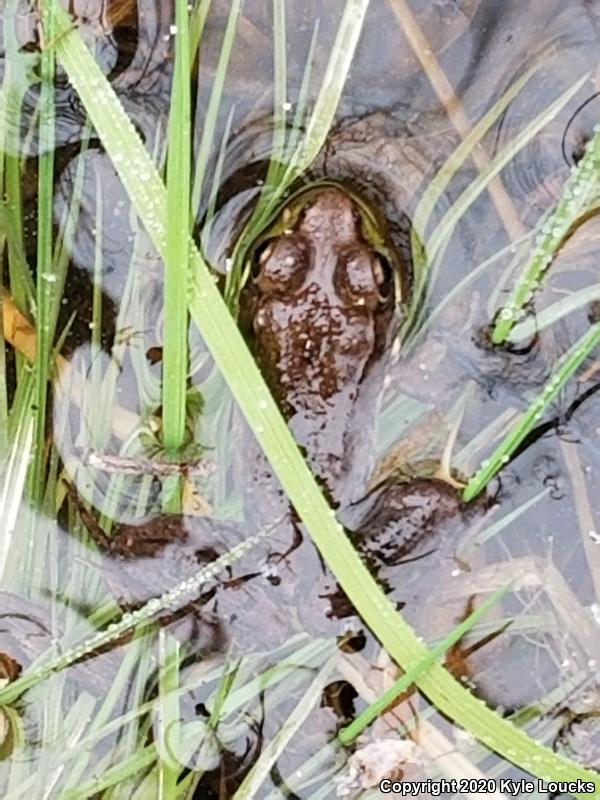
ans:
(298, 409)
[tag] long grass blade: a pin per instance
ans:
(231, 354)
(175, 354)
(566, 368)
(254, 780)
(209, 122)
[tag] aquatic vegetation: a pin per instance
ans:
(179, 753)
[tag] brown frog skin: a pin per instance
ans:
(323, 305)
(323, 312)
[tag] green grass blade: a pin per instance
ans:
(139, 619)
(143, 759)
(197, 21)
(579, 193)
(578, 300)
(442, 178)
(566, 368)
(231, 354)
(342, 55)
(370, 714)
(280, 106)
(317, 129)
(175, 353)
(451, 166)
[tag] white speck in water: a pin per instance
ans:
(287, 106)
(455, 573)
(172, 29)
(565, 663)
(592, 663)
(595, 612)
(270, 571)
(594, 536)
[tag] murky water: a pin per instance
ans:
(270, 646)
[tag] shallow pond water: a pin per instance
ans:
(266, 660)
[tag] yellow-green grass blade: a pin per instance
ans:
(209, 121)
(46, 278)
(169, 722)
(224, 340)
(565, 370)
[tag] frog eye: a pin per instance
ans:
(361, 278)
(283, 265)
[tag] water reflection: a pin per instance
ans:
(448, 395)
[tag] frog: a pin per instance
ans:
(323, 303)
(325, 293)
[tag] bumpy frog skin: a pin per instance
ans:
(323, 299)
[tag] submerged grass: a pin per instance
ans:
(428, 257)
(316, 126)
(46, 278)
(223, 338)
